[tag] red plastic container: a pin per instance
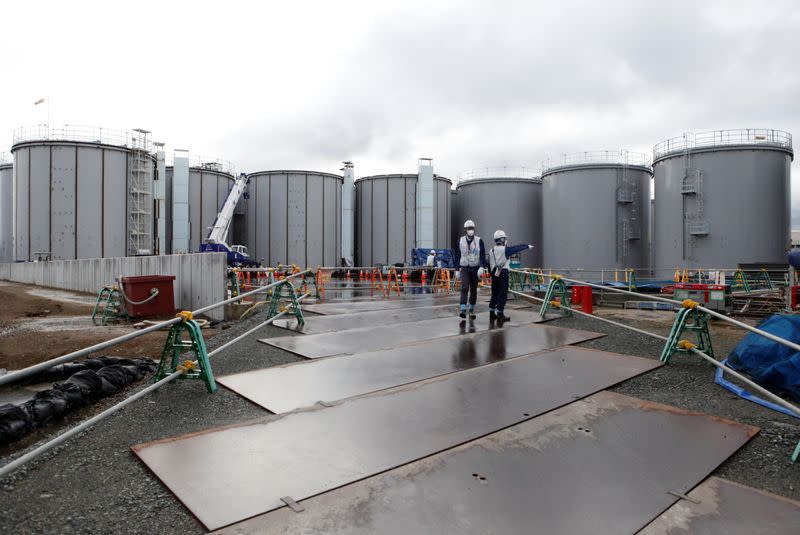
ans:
(582, 295)
(139, 289)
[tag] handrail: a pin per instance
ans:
(30, 370)
(83, 133)
(708, 311)
(755, 386)
(614, 157)
(6, 157)
(721, 138)
(60, 439)
(206, 163)
(499, 172)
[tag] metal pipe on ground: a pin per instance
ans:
(36, 368)
(83, 426)
(755, 386)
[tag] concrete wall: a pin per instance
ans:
(199, 278)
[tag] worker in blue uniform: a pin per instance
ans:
(470, 256)
(499, 256)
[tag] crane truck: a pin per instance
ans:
(216, 241)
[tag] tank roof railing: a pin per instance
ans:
(206, 163)
(86, 134)
(722, 138)
(499, 172)
(613, 157)
(5, 157)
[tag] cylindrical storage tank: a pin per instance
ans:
(504, 198)
(386, 215)
(209, 185)
(722, 198)
(73, 188)
(6, 208)
(596, 213)
(294, 217)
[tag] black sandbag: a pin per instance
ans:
(72, 393)
(88, 381)
(15, 423)
(46, 405)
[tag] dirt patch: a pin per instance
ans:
(19, 304)
(37, 324)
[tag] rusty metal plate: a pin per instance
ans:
(343, 322)
(284, 388)
(721, 507)
(372, 338)
(349, 307)
(230, 474)
(603, 465)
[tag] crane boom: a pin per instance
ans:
(223, 222)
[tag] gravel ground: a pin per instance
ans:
(94, 484)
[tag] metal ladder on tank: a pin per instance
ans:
(140, 197)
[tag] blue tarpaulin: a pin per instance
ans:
(419, 257)
(772, 365)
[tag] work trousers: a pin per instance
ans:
(469, 285)
(499, 291)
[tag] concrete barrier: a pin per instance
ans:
(199, 278)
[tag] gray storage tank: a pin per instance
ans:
(6, 207)
(82, 192)
(294, 217)
(456, 223)
(504, 198)
(722, 198)
(596, 212)
(386, 216)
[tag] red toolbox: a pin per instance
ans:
(149, 295)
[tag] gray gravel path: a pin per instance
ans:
(94, 484)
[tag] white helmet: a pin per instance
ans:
(469, 223)
(498, 234)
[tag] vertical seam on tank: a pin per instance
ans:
(387, 221)
(200, 222)
(287, 220)
(76, 203)
(255, 219)
(29, 204)
(127, 208)
(372, 216)
(102, 203)
(305, 224)
(405, 217)
(323, 223)
(50, 207)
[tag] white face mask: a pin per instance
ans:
(470, 233)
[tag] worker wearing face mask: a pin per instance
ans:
(498, 267)
(471, 258)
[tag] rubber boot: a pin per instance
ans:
(463, 313)
(472, 313)
(502, 317)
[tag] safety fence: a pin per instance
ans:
(176, 346)
(691, 317)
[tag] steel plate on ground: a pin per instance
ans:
(603, 465)
(343, 322)
(722, 507)
(314, 346)
(348, 307)
(229, 474)
(284, 388)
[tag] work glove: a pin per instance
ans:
(458, 275)
(480, 272)
(530, 246)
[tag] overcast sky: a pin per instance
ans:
(308, 84)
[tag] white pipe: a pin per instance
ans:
(760, 389)
(60, 439)
(36, 368)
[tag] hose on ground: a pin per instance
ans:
(153, 294)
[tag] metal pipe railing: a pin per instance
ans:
(708, 311)
(755, 386)
(36, 368)
(83, 426)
